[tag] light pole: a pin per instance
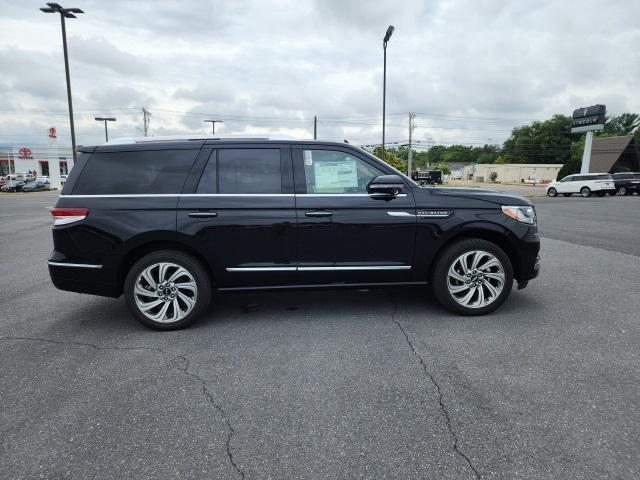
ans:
(386, 38)
(213, 125)
(66, 13)
(105, 120)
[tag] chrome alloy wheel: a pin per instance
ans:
(475, 279)
(165, 292)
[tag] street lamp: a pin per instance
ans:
(105, 120)
(66, 13)
(386, 38)
(213, 125)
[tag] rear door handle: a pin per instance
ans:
(318, 213)
(203, 214)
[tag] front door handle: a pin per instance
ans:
(203, 214)
(318, 213)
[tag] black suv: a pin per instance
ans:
(165, 222)
(626, 183)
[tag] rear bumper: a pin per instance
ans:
(81, 277)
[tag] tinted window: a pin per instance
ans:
(570, 178)
(254, 170)
(162, 171)
(329, 171)
(209, 180)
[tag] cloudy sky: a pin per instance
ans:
(471, 70)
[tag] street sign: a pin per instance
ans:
(52, 133)
(588, 119)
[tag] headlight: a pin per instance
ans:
(521, 214)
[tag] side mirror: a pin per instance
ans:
(385, 186)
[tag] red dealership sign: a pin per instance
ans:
(25, 154)
(53, 133)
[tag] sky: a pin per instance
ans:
(470, 70)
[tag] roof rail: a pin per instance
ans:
(194, 137)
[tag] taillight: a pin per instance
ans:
(64, 216)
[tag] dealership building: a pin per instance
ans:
(22, 158)
(515, 172)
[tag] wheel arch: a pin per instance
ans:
(143, 249)
(500, 238)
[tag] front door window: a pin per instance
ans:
(334, 172)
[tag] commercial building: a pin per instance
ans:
(515, 172)
(41, 159)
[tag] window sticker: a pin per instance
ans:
(308, 159)
(336, 175)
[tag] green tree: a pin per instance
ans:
(391, 158)
(443, 167)
(572, 165)
(624, 124)
(541, 142)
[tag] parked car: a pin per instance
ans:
(12, 186)
(427, 177)
(627, 183)
(164, 222)
(35, 186)
(584, 184)
(43, 179)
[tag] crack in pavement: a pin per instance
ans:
(184, 368)
(443, 407)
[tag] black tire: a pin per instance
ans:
(193, 267)
(566, 194)
(552, 192)
(585, 192)
(439, 275)
(623, 191)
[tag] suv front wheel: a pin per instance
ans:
(472, 277)
(167, 290)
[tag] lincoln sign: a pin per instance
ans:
(588, 119)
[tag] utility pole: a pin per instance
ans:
(411, 127)
(146, 118)
(315, 127)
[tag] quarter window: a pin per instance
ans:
(140, 172)
(329, 171)
(251, 170)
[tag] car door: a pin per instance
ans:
(345, 234)
(240, 214)
(565, 185)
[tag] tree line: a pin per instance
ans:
(548, 141)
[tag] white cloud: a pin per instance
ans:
(272, 65)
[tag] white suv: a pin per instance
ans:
(585, 185)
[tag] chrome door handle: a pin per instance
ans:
(203, 214)
(318, 213)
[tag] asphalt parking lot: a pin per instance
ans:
(361, 385)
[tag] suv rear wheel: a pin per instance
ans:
(472, 277)
(167, 290)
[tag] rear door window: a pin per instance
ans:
(140, 172)
(249, 171)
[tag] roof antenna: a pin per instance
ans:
(346, 141)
